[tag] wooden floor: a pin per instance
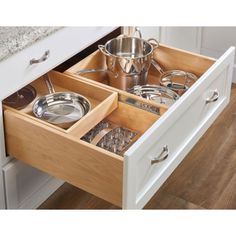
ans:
(206, 179)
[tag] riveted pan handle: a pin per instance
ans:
(49, 83)
(157, 67)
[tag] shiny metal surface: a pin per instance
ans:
(44, 57)
(85, 71)
(130, 59)
(155, 93)
(176, 80)
(60, 108)
(140, 105)
(162, 156)
(111, 137)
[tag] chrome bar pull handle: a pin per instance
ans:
(214, 97)
(44, 57)
(162, 156)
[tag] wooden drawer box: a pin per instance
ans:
(128, 181)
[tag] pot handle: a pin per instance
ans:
(103, 50)
(138, 31)
(157, 67)
(154, 43)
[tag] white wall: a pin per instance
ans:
(150, 32)
(188, 38)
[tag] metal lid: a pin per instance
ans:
(155, 93)
(177, 80)
(21, 98)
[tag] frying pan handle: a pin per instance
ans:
(157, 67)
(49, 83)
(85, 71)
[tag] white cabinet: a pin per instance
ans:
(128, 180)
(27, 187)
(187, 38)
(215, 40)
(2, 192)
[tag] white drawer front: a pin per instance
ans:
(27, 187)
(179, 128)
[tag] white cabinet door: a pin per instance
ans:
(175, 133)
(187, 38)
(216, 39)
(27, 187)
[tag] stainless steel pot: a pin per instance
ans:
(129, 59)
(60, 108)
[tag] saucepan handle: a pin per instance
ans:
(137, 31)
(154, 43)
(103, 50)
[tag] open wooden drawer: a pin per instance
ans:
(61, 152)
(165, 138)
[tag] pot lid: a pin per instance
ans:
(155, 93)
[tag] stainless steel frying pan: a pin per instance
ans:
(60, 108)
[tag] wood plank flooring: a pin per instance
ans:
(206, 179)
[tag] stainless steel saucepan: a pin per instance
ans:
(60, 108)
(128, 60)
